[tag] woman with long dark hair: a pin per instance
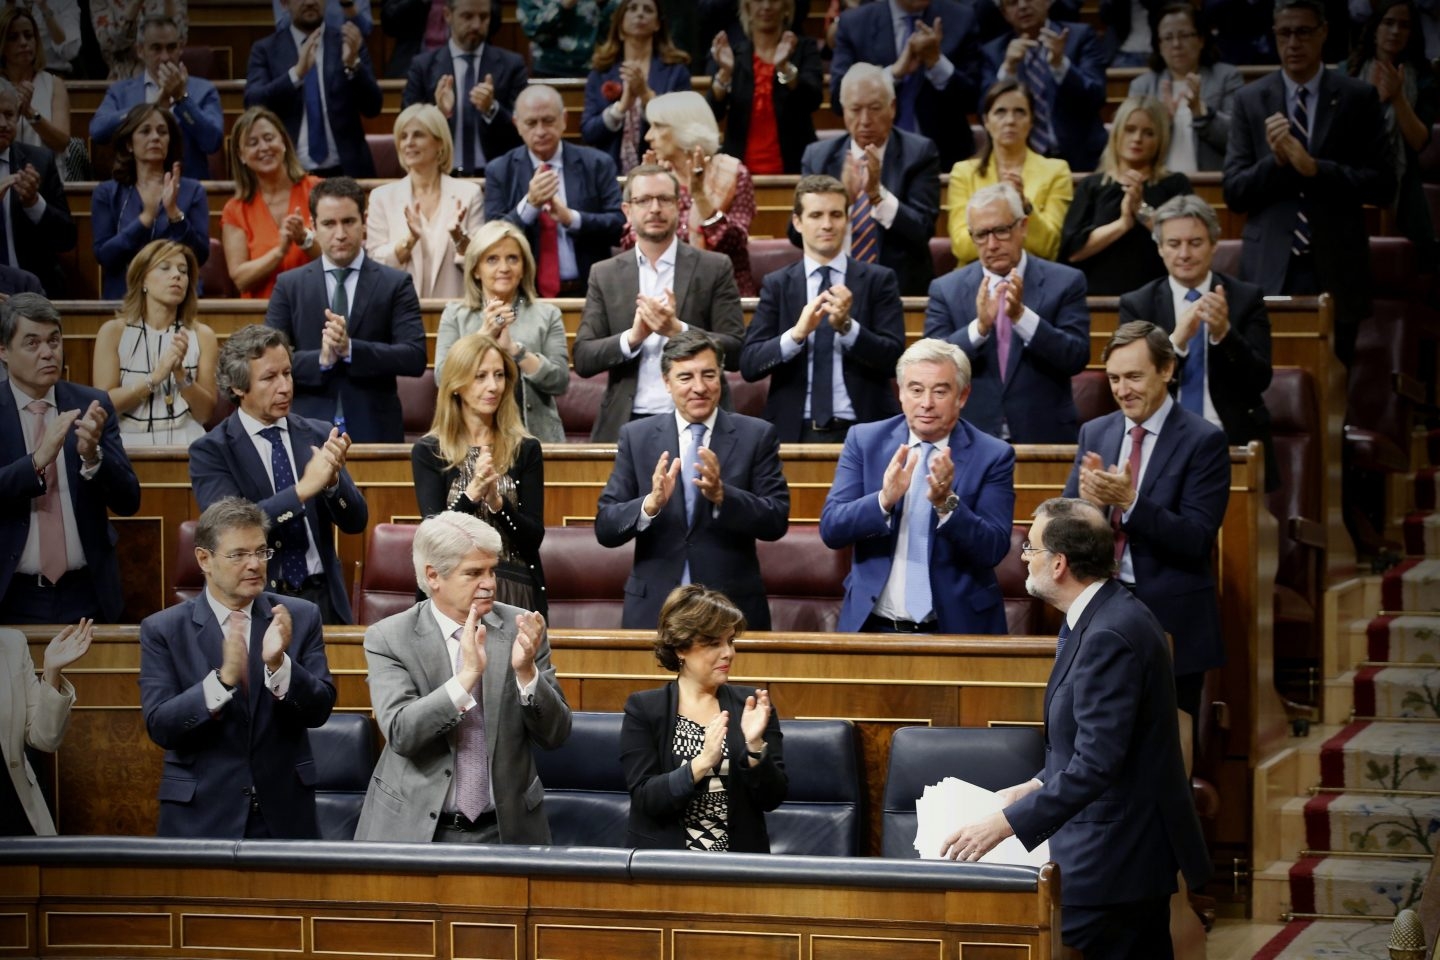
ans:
(637, 62)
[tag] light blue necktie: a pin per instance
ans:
(1192, 377)
(918, 601)
(689, 469)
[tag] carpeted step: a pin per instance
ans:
(1328, 940)
(1372, 823)
(1384, 691)
(1379, 755)
(1421, 533)
(1402, 639)
(1356, 886)
(1412, 584)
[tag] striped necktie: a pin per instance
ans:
(864, 231)
(1300, 127)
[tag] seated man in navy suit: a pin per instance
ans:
(474, 83)
(828, 329)
(927, 501)
(355, 323)
(563, 195)
(194, 101)
(1021, 320)
(40, 225)
(292, 467)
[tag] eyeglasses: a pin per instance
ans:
(240, 556)
(1027, 548)
(1001, 233)
(664, 200)
(1182, 37)
(1295, 33)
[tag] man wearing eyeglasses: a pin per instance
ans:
(292, 467)
(1021, 320)
(1307, 152)
(230, 682)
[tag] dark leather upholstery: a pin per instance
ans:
(804, 579)
(1298, 431)
(188, 580)
(1024, 615)
(747, 398)
(578, 406)
(1091, 390)
(821, 812)
(1227, 257)
(387, 159)
(385, 583)
(344, 750)
(215, 279)
(771, 254)
(585, 797)
(942, 255)
(989, 757)
(417, 403)
(584, 582)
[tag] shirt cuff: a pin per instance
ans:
(459, 696)
(848, 340)
(216, 696)
(1060, 71)
(526, 212)
(940, 74)
(884, 211)
(645, 520)
(88, 471)
(574, 223)
(1027, 324)
(976, 337)
(36, 211)
(613, 119)
(489, 115)
(625, 349)
(527, 690)
(278, 683)
(294, 73)
(789, 349)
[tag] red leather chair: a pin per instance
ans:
(1091, 390)
(584, 582)
(579, 404)
(1227, 257)
(215, 282)
(417, 403)
(775, 253)
(187, 579)
(387, 160)
(385, 582)
(942, 255)
(804, 579)
(748, 398)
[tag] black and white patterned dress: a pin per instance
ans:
(707, 816)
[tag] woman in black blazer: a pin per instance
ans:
(697, 780)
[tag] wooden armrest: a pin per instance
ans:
(1308, 532)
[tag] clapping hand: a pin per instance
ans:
(334, 340)
(529, 632)
(662, 485)
(755, 719)
(713, 750)
(67, 646)
(88, 430)
(1105, 487)
(897, 477)
(277, 638)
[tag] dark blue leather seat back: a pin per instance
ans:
(585, 797)
(344, 752)
(821, 813)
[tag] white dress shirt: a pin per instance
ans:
(216, 695)
(842, 405)
(656, 278)
(302, 142)
(1152, 426)
(891, 604)
(262, 450)
(1182, 306)
(569, 270)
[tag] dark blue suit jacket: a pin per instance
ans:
(1173, 526)
(910, 169)
(963, 553)
(202, 125)
(720, 546)
(1035, 399)
(508, 69)
(590, 189)
(1075, 114)
(37, 245)
(387, 340)
(267, 82)
(868, 366)
(1116, 804)
(866, 34)
(662, 78)
(254, 740)
(114, 487)
(119, 235)
(224, 463)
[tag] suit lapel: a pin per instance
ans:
(431, 649)
(627, 289)
(722, 444)
(1072, 643)
(1162, 306)
(360, 311)
(499, 637)
(65, 399)
(300, 447)
(1113, 436)
(1169, 440)
(251, 472)
(686, 260)
(260, 616)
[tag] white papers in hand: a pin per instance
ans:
(949, 805)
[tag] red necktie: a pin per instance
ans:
(1137, 445)
(53, 559)
(548, 269)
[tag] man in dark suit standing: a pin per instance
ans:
(1307, 151)
(36, 222)
(927, 501)
(355, 323)
(695, 489)
(62, 466)
(1114, 796)
(563, 195)
(1162, 476)
(932, 49)
(474, 83)
(640, 298)
(318, 79)
(293, 468)
(230, 683)
(828, 329)
(1222, 335)
(1021, 320)
(1063, 65)
(892, 177)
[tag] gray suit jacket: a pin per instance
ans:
(408, 665)
(1219, 82)
(706, 298)
(32, 712)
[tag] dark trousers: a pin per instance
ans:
(315, 589)
(833, 433)
(33, 599)
(1138, 930)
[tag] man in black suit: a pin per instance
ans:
(1114, 796)
(355, 323)
(62, 467)
(828, 329)
(892, 177)
(563, 195)
(701, 527)
(474, 83)
(1222, 336)
(37, 223)
(293, 468)
(13, 280)
(1307, 151)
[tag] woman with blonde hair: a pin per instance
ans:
(266, 226)
(422, 222)
(478, 459)
(1107, 232)
(500, 302)
(155, 359)
(44, 100)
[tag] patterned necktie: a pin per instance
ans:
(1137, 446)
(1004, 328)
(237, 624)
(918, 600)
(630, 142)
(1060, 640)
(1035, 71)
(547, 271)
(290, 534)
(472, 756)
(864, 231)
(464, 132)
(909, 86)
(1192, 377)
(48, 509)
(1300, 126)
(689, 469)
(315, 118)
(822, 379)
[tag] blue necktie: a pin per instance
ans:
(909, 87)
(1192, 377)
(689, 469)
(1060, 640)
(822, 377)
(1035, 71)
(315, 118)
(462, 100)
(918, 600)
(290, 534)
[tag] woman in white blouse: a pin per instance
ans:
(43, 100)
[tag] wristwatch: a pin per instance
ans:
(35, 119)
(229, 687)
(309, 240)
(520, 354)
(948, 507)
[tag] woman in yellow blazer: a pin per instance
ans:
(1044, 184)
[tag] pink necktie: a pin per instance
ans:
(472, 757)
(1004, 328)
(53, 559)
(1137, 444)
(547, 271)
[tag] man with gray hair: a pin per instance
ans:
(292, 467)
(892, 177)
(927, 502)
(230, 682)
(1218, 325)
(1021, 320)
(36, 225)
(462, 688)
